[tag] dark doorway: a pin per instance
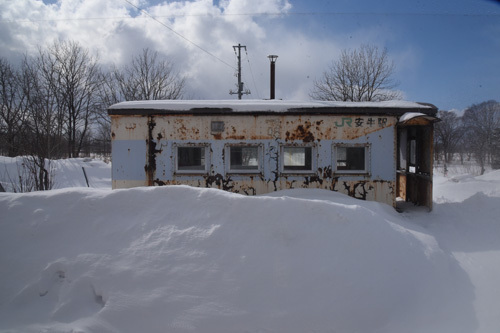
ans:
(415, 152)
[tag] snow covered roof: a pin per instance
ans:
(413, 115)
(267, 106)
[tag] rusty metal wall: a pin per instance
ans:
(144, 151)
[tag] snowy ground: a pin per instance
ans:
(66, 173)
(181, 259)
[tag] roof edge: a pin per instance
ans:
(254, 107)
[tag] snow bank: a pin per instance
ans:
(181, 259)
(459, 187)
(66, 172)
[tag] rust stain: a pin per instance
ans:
(249, 191)
(253, 137)
(326, 173)
(182, 130)
(302, 132)
(150, 167)
(358, 190)
(219, 180)
(158, 182)
(247, 187)
(363, 190)
(312, 179)
(237, 137)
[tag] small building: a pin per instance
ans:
(378, 151)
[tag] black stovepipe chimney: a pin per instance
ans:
(273, 70)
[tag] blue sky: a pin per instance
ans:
(446, 52)
(454, 45)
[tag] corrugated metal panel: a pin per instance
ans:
(144, 151)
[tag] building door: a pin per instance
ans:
(415, 153)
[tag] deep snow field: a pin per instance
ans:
(181, 259)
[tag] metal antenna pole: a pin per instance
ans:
(240, 91)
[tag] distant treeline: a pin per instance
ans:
(53, 105)
(476, 134)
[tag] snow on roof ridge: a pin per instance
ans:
(263, 105)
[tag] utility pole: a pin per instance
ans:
(240, 91)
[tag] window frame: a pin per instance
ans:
(367, 156)
(260, 154)
(191, 145)
(312, 147)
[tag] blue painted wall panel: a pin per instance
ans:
(129, 159)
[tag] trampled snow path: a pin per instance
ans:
(181, 259)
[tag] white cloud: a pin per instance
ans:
(118, 31)
(255, 6)
(459, 113)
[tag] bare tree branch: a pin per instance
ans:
(78, 85)
(448, 133)
(481, 121)
(364, 74)
(149, 78)
(12, 113)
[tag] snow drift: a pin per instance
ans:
(181, 259)
(65, 172)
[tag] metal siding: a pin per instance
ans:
(116, 184)
(130, 151)
(383, 160)
(129, 128)
(129, 159)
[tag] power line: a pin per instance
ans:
(251, 72)
(69, 19)
(178, 34)
(493, 14)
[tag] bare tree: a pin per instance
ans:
(481, 121)
(12, 112)
(149, 77)
(78, 86)
(364, 74)
(448, 133)
(495, 158)
(44, 119)
(107, 95)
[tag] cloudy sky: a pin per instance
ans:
(446, 52)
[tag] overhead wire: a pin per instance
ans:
(235, 69)
(251, 72)
(280, 14)
(178, 34)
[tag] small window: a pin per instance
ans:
(191, 159)
(351, 159)
(217, 127)
(413, 152)
(243, 158)
(297, 159)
